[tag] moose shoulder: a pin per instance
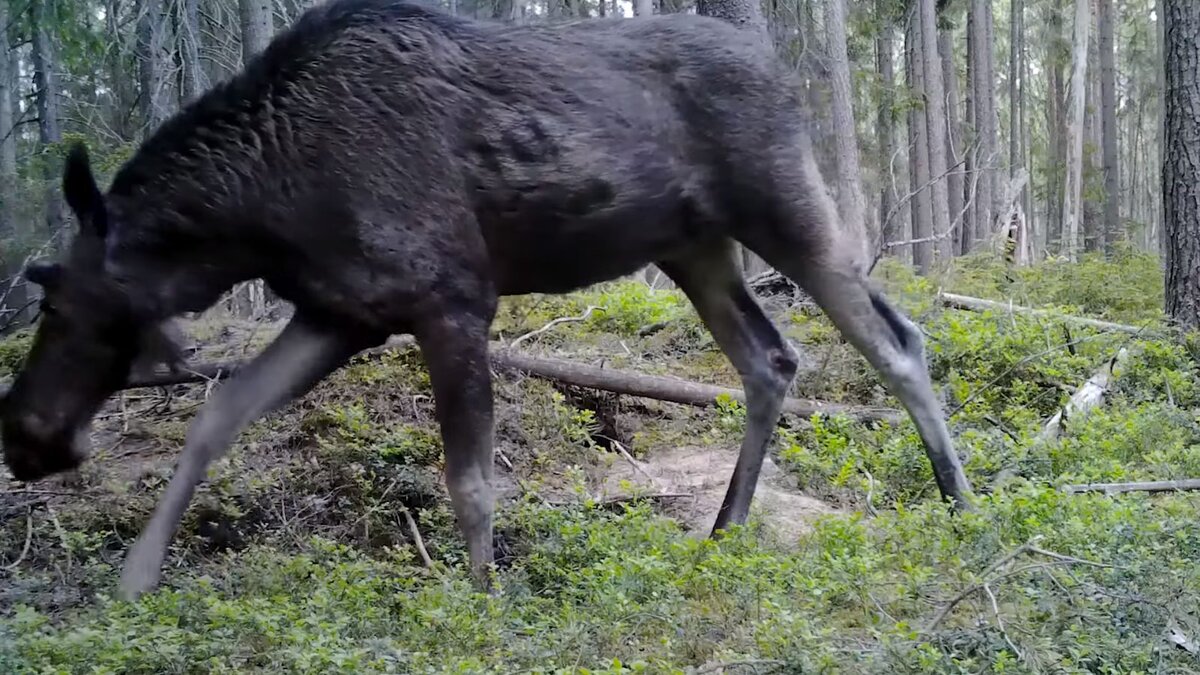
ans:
(391, 169)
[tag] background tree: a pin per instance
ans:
(1181, 166)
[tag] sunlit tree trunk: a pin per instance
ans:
(1073, 191)
(851, 202)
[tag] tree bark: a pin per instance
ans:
(954, 145)
(851, 202)
(643, 7)
(8, 137)
(152, 64)
(935, 118)
(1073, 189)
(1057, 124)
(257, 26)
(1093, 171)
(889, 230)
(1181, 163)
(983, 107)
(195, 79)
(45, 82)
(918, 133)
(1108, 114)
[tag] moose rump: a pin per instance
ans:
(391, 169)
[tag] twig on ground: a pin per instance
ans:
(1148, 486)
(1000, 622)
(747, 663)
(416, 535)
(28, 539)
(637, 466)
(504, 459)
(561, 320)
(992, 574)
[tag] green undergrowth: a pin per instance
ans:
(1036, 580)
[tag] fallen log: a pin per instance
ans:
(1086, 398)
(1148, 486)
(964, 302)
(669, 389)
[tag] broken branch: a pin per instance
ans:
(1089, 396)
(955, 301)
(1147, 486)
(607, 379)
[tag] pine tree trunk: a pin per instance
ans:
(1056, 121)
(918, 130)
(152, 64)
(886, 129)
(1093, 176)
(1108, 114)
(1073, 189)
(851, 202)
(1026, 141)
(983, 108)
(954, 143)
(935, 118)
(45, 82)
(257, 26)
(195, 79)
(1160, 215)
(1181, 166)
(643, 7)
(8, 140)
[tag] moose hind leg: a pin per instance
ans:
(808, 252)
(765, 362)
(455, 350)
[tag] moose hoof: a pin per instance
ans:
(140, 576)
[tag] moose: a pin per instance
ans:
(390, 169)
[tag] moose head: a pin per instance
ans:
(88, 340)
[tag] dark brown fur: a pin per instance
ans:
(390, 169)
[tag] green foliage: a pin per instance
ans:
(13, 349)
(1091, 583)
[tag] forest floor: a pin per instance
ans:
(302, 552)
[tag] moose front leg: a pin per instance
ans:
(455, 351)
(298, 358)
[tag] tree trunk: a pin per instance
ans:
(45, 83)
(935, 118)
(1108, 114)
(1026, 140)
(918, 132)
(257, 26)
(8, 141)
(643, 7)
(152, 59)
(195, 79)
(983, 105)
(1073, 188)
(741, 13)
(1057, 123)
(851, 202)
(10, 259)
(1181, 164)
(1093, 176)
(954, 146)
(1161, 216)
(884, 126)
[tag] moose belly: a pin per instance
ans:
(554, 239)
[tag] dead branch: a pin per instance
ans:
(552, 324)
(669, 389)
(1147, 486)
(963, 302)
(25, 549)
(1086, 398)
(416, 535)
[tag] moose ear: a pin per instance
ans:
(83, 196)
(44, 274)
